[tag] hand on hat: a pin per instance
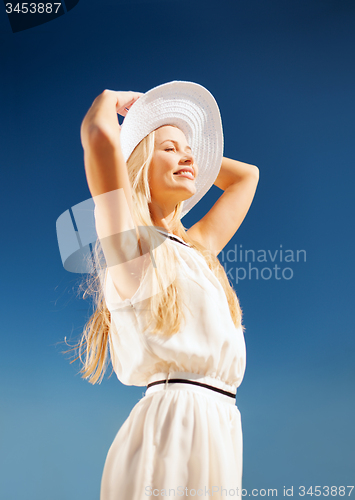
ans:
(125, 101)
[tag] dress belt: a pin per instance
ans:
(186, 381)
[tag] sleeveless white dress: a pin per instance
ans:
(179, 439)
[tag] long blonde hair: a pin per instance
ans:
(165, 306)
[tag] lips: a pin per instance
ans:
(183, 172)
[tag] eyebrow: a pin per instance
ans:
(175, 142)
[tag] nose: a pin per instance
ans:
(188, 159)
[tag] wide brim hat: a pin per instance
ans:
(191, 108)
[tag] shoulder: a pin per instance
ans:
(197, 235)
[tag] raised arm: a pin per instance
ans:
(238, 180)
(100, 136)
(109, 184)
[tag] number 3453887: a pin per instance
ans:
(32, 8)
(325, 491)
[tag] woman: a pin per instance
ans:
(165, 306)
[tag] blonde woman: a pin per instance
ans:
(166, 314)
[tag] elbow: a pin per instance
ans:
(254, 173)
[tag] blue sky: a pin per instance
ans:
(283, 75)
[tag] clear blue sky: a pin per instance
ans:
(283, 74)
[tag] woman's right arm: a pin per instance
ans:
(109, 184)
(100, 136)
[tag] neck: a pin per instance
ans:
(162, 217)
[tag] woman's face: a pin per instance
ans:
(172, 153)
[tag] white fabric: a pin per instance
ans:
(179, 435)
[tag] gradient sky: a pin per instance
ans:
(283, 74)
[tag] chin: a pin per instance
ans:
(189, 195)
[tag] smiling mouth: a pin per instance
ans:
(186, 174)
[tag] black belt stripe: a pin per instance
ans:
(180, 380)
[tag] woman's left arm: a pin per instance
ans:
(238, 181)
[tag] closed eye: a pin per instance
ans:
(170, 149)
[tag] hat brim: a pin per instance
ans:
(194, 110)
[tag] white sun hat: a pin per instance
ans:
(194, 110)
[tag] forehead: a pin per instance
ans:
(169, 132)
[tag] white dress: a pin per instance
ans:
(179, 439)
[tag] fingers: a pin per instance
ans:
(123, 110)
(136, 95)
